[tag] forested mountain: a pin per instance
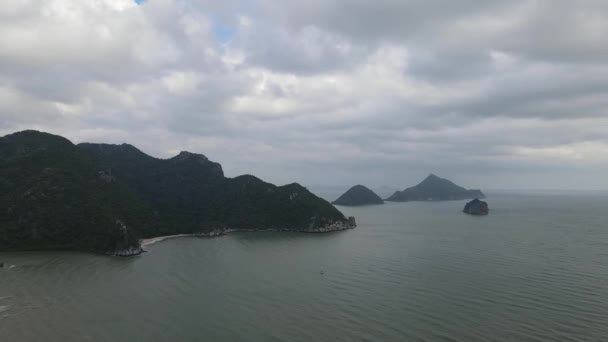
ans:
(55, 195)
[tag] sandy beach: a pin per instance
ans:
(151, 241)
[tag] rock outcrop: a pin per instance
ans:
(128, 252)
(334, 227)
(476, 207)
(358, 195)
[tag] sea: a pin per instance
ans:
(535, 269)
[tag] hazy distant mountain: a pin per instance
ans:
(434, 188)
(358, 195)
(104, 198)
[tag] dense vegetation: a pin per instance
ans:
(189, 193)
(434, 188)
(52, 198)
(55, 195)
(358, 195)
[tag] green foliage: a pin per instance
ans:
(52, 198)
(191, 194)
(246, 202)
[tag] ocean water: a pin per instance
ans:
(535, 269)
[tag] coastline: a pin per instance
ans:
(334, 227)
(350, 223)
(151, 241)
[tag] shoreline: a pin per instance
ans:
(334, 227)
(134, 251)
(154, 240)
(138, 250)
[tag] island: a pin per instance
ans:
(477, 208)
(108, 198)
(434, 188)
(358, 195)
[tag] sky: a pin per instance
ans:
(488, 93)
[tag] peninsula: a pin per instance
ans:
(107, 198)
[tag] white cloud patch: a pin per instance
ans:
(182, 83)
(322, 92)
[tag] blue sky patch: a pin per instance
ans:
(223, 33)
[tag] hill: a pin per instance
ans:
(434, 188)
(53, 198)
(106, 198)
(358, 195)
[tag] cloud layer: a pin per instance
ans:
(492, 94)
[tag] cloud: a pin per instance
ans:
(322, 92)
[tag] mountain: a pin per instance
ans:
(106, 198)
(358, 195)
(53, 198)
(434, 188)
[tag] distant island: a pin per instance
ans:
(434, 188)
(358, 195)
(107, 198)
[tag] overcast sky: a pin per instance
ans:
(488, 93)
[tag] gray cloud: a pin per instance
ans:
(489, 93)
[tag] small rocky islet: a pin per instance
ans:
(476, 207)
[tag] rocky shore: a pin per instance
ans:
(334, 227)
(133, 251)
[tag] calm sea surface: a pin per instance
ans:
(536, 269)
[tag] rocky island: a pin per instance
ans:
(434, 188)
(476, 207)
(358, 195)
(107, 198)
